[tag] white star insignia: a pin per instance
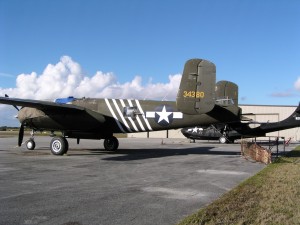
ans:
(195, 130)
(164, 115)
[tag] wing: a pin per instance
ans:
(42, 105)
(59, 116)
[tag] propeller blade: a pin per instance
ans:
(21, 134)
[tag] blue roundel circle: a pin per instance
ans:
(164, 115)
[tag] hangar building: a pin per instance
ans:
(261, 113)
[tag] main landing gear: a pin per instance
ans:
(111, 144)
(225, 140)
(60, 146)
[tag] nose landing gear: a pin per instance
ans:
(30, 144)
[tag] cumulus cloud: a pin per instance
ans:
(67, 78)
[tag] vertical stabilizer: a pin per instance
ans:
(227, 90)
(196, 93)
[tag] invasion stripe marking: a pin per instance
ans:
(137, 118)
(130, 119)
(114, 115)
(121, 115)
(141, 111)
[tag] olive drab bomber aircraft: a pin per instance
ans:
(200, 101)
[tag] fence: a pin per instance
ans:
(256, 152)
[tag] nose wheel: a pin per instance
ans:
(30, 144)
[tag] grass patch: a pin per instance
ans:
(272, 196)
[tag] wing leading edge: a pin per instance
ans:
(38, 104)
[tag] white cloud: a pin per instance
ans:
(283, 94)
(7, 116)
(7, 75)
(297, 84)
(289, 92)
(67, 78)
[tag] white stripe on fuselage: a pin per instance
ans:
(121, 120)
(130, 119)
(114, 115)
(143, 115)
(137, 118)
(121, 115)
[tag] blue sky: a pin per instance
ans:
(253, 43)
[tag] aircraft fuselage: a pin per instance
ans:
(107, 116)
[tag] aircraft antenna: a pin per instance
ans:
(164, 98)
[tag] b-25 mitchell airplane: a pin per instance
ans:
(200, 101)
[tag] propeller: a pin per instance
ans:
(21, 135)
(21, 130)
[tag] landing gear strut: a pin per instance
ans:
(224, 138)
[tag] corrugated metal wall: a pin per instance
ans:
(262, 113)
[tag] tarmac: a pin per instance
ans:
(147, 181)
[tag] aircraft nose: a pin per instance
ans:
(183, 130)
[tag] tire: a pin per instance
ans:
(223, 140)
(111, 144)
(30, 144)
(59, 146)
